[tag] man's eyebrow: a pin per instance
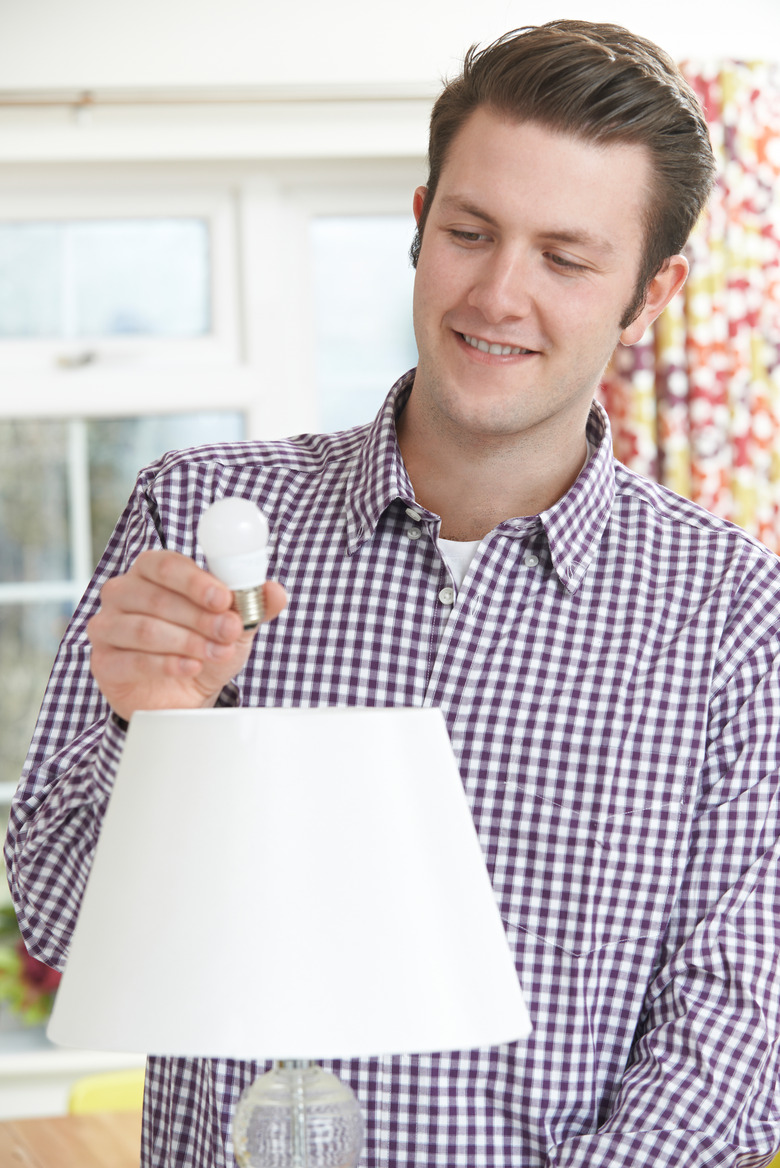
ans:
(582, 238)
(575, 237)
(452, 203)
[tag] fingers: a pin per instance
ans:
(181, 576)
(274, 600)
(141, 615)
(166, 635)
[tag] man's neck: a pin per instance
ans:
(476, 484)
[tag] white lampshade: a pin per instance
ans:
(274, 883)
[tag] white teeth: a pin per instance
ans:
(498, 350)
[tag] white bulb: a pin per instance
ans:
(234, 536)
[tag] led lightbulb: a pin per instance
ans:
(234, 536)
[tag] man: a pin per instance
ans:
(605, 653)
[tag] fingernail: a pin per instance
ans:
(214, 597)
(224, 627)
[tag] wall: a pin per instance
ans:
(116, 43)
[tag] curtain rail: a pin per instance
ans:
(92, 99)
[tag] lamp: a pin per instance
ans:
(331, 854)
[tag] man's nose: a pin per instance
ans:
(502, 287)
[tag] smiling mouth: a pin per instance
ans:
(493, 347)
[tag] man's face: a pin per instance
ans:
(529, 259)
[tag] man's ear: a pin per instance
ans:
(417, 202)
(663, 286)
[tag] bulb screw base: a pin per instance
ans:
(248, 603)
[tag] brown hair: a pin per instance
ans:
(598, 82)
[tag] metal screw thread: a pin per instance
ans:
(248, 603)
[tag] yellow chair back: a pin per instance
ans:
(109, 1091)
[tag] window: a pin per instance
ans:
(148, 309)
(62, 486)
(363, 323)
(118, 341)
(118, 279)
(105, 278)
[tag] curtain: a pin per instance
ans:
(696, 404)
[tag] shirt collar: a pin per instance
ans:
(573, 525)
(379, 476)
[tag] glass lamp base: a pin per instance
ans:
(297, 1116)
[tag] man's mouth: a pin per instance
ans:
(493, 347)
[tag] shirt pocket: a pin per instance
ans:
(582, 880)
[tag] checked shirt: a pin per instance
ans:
(608, 671)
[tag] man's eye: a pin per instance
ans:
(467, 236)
(562, 262)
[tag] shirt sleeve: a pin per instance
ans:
(67, 779)
(701, 1085)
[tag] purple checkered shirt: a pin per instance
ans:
(608, 673)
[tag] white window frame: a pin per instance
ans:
(260, 359)
(219, 347)
(279, 293)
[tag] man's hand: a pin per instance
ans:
(166, 636)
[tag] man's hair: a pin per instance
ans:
(600, 83)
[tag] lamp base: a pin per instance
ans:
(297, 1116)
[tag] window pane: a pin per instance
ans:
(149, 278)
(38, 465)
(30, 280)
(34, 502)
(39, 536)
(363, 303)
(106, 278)
(29, 636)
(119, 447)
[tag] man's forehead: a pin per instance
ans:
(484, 123)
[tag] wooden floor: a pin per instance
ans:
(98, 1140)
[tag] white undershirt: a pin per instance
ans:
(458, 554)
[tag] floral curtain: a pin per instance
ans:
(696, 404)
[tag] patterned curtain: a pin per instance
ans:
(696, 404)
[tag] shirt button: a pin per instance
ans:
(447, 595)
(413, 533)
(530, 560)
